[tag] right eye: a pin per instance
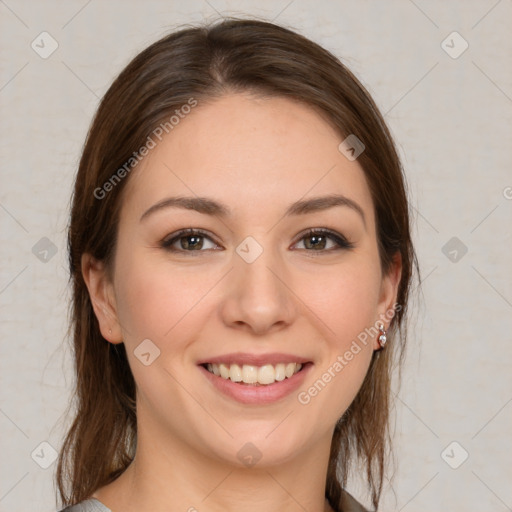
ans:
(190, 240)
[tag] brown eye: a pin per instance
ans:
(318, 240)
(188, 240)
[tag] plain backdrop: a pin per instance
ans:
(448, 101)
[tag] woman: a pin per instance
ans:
(241, 259)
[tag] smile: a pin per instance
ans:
(256, 384)
(255, 375)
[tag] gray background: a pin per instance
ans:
(452, 120)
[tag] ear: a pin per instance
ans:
(389, 292)
(101, 293)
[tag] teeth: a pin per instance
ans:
(289, 369)
(280, 372)
(215, 370)
(250, 374)
(266, 374)
(235, 373)
(224, 371)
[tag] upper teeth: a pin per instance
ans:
(249, 374)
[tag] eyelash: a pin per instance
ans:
(340, 240)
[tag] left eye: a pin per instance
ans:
(317, 240)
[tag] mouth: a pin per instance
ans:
(252, 375)
(256, 379)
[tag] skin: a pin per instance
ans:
(257, 156)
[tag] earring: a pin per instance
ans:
(110, 331)
(382, 337)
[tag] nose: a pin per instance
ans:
(259, 296)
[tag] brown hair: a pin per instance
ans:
(204, 63)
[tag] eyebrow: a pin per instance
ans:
(209, 206)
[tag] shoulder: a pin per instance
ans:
(350, 504)
(90, 505)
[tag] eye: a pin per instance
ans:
(190, 240)
(193, 240)
(317, 240)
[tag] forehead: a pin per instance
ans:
(254, 154)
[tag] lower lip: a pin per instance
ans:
(265, 394)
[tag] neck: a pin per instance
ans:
(169, 475)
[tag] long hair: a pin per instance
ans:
(204, 63)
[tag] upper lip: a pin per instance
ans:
(242, 358)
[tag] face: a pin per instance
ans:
(270, 287)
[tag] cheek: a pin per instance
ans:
(345, 299)
(157, 301)
(347, 305)
(164, 307)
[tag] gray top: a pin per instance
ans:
(90, 505)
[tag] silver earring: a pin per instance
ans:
(382, 337)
